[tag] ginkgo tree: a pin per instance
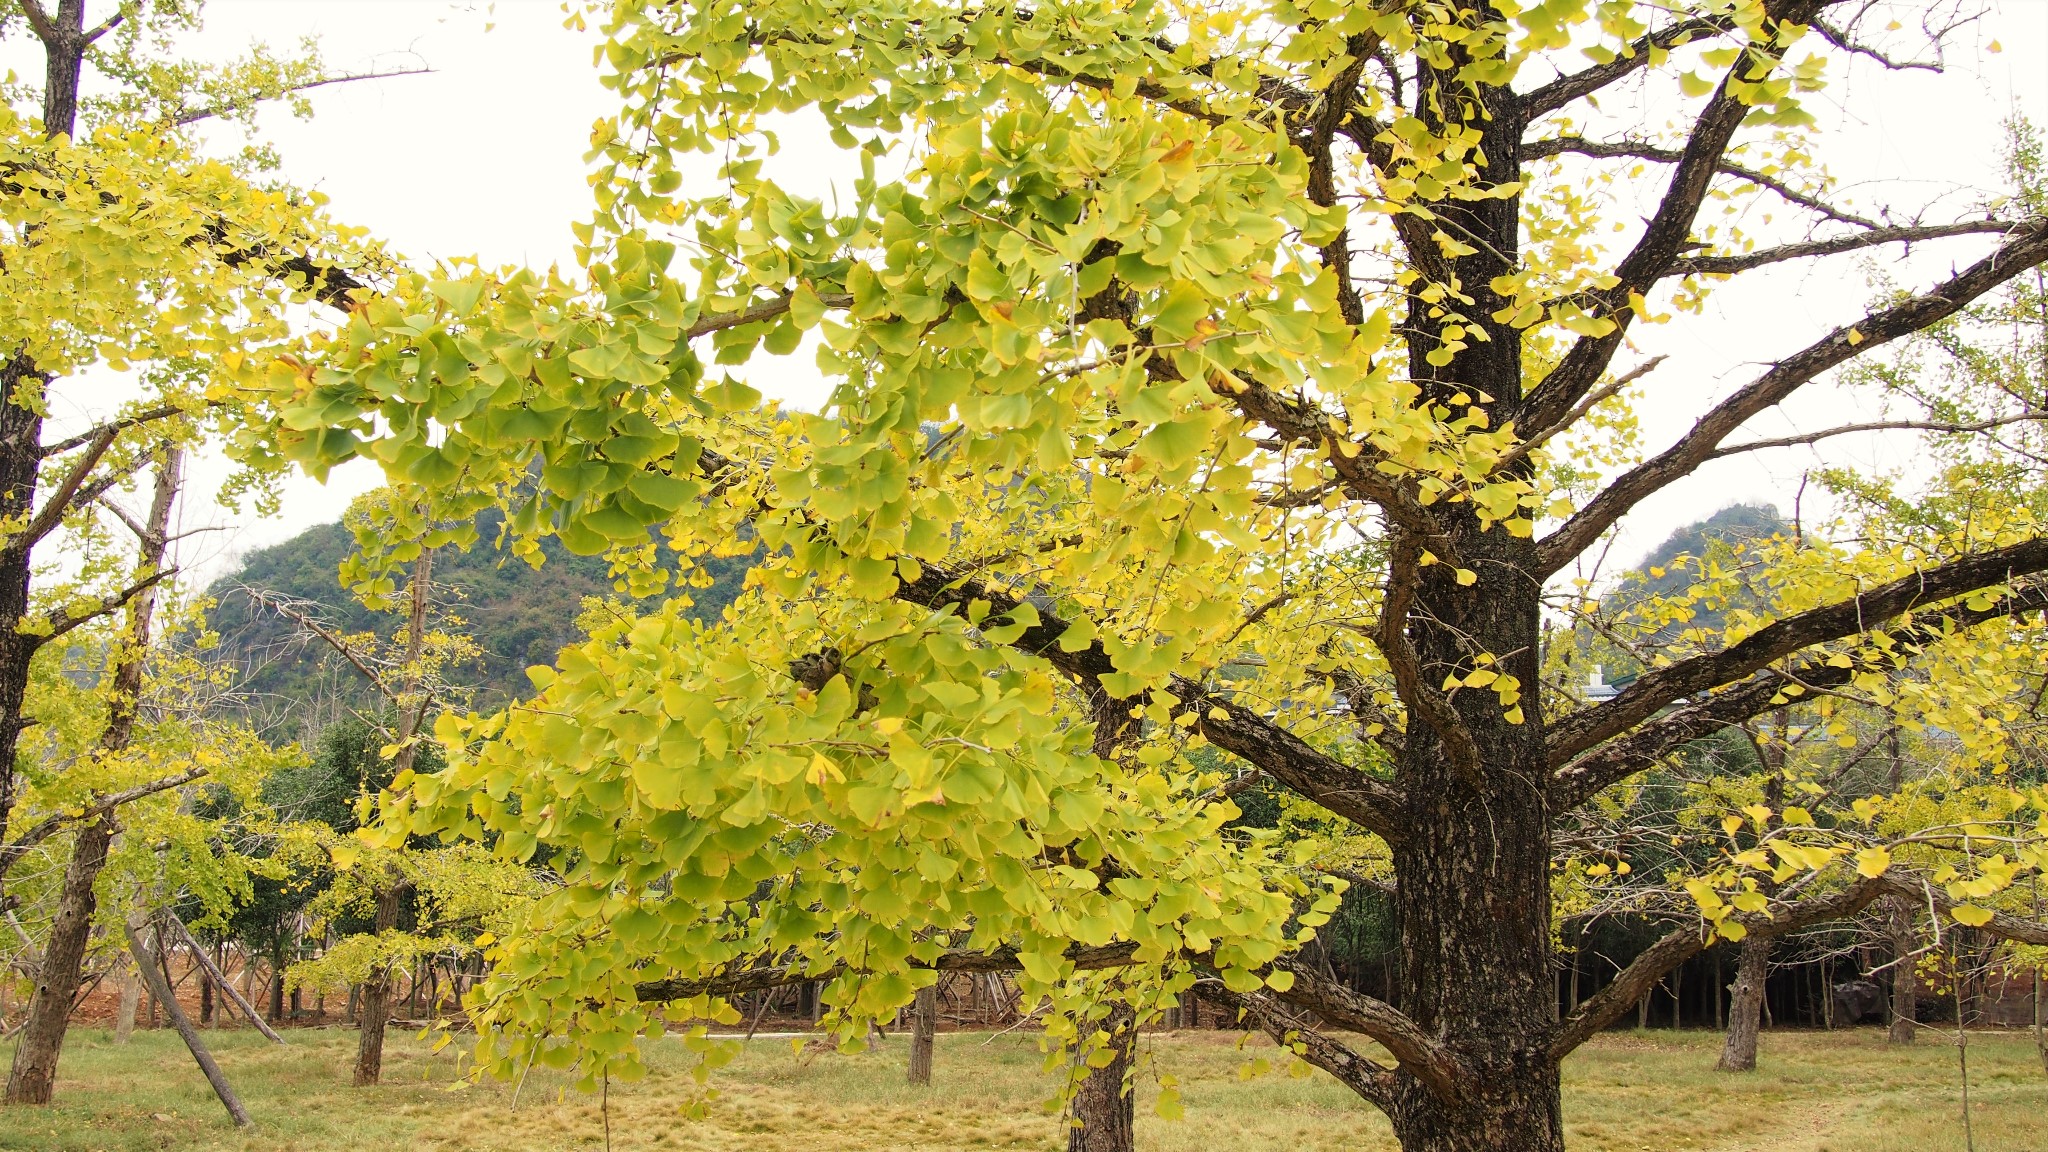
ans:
(1138, 316)
(132, 257)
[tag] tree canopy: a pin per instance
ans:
(1239, 376)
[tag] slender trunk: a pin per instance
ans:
(161, 988)
(131, 1001)
(1905, 974)
(376, 992)
(277, 986)
(376, 997)
(924, 1028)
(1105, 1113)
(33, 1075)
(1746, 1006)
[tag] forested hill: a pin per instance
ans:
(519, 615)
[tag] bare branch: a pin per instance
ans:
(1578, 413)
(62, 621)
(1834, 245)
(1641, 150)
(125, 517)
(1877, 426)
(347, 651)
(146, 416)
(92, 810)
(195, 115)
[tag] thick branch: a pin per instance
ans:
(1580, 780)
(2026, 247)
(1634, 981)
(1573, 734)
(1925, 894)
(1668, 229)
(1565, 89)
(1240, 731)
(59, 502)
(1416, 1052)
(1373, 1081)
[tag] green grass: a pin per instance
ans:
(1814, 1092)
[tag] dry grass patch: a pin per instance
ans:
(1816, 1092)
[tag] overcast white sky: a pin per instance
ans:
(484, 157)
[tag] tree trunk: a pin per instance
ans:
(131, 1001)
(1472, 884)
(924, 1028)
(1746, 1006)
(392, 892)
(1905, 974)
(34, 1074)
(161, 989)
(1105, 1111)
(376, 995)
(21, 434)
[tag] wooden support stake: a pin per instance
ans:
(161, 989)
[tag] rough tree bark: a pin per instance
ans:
(1104, 1110)
(1746, 1006)
(21, 427)
(33, 1075)
(924, 1028)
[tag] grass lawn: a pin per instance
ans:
(1842, 1091)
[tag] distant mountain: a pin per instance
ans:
(1731, 525)
(520, 616)
(1658, 576)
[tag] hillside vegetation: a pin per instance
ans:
(519, 615)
